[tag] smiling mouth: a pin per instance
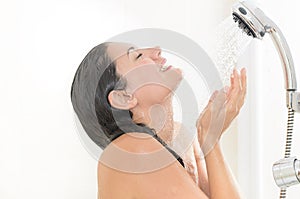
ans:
(165, 68)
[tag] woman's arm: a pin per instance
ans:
(222, 108)
(221, 181)
(201, 168)
(193, 160)
(196, 167)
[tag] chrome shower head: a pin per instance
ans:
(249, 19)
(255, 23)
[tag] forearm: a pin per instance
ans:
(221, 181)
(201, 168)
(202, 176)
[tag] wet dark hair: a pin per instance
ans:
(95, 77)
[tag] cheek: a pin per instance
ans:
(146, 61)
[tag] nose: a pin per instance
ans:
(156, 52)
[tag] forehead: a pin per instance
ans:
(116, 50)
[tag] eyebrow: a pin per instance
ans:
(131, 48)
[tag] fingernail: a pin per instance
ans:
(232, 74)
(243, 70)
(235, 71)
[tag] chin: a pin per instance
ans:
(178, 83)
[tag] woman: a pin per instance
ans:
(122, 96)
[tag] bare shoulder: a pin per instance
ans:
(136, 165)
(124, 160)
(135, 153)
(137, 142)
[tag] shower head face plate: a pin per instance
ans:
(249, 19)
(243, 25)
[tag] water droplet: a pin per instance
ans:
(229, 45)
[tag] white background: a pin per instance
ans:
(262, 125)
(42, 44)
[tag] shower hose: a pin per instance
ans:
(288, 143)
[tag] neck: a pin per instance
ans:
(159, 117)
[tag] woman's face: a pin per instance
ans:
(148, 78)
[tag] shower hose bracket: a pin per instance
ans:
(286, 172)
(296, 102)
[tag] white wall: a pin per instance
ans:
(284, 15)
(262, 125)
(42, 43)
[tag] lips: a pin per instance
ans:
(163, 62)
(165, 68)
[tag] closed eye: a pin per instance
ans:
(139, 55)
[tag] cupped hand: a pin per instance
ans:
(223, 106)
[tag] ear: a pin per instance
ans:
(121, 100)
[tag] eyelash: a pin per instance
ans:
(139, 55)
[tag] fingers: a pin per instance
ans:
(236, 82)
(219, 100)
(244, 83)
(223, 107)
(238, 87)
(242, 94)
(244, 79)
(216, 101)
(227, 90)
(233, 84)
(235, 99)
(213, 108)
(213, 96)
(211, 99)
